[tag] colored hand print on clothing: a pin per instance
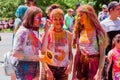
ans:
(61, 55)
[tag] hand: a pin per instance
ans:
(47, 25)
(98, 76)
(106, 76)
(74, 77)
(68, 69)
(50, 75)
(42, 58)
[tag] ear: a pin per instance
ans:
(111, 9)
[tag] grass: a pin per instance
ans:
(5, 30)
(8, 30)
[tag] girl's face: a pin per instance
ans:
(82, 17)
(117, 43)
(37, 20)
(58, 20)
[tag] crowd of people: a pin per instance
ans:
(6, 24)
(96, 39)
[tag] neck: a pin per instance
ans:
(58, 29)
(88, 27)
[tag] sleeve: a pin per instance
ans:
(20, 40)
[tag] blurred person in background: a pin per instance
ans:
(104, 13)
(20, 11)
(69, 19)
(11, 24)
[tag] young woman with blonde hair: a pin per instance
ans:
(90, 40)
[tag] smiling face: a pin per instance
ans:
(58, 21)
(57, 18)
(37, 20)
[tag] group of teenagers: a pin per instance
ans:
(53, 50)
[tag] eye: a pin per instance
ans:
(37, 18)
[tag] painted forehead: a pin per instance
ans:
(57, 13)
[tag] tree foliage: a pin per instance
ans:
(8, 7)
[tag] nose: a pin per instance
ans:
(58, 21)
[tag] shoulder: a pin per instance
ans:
(66, 15)
(105, 21)
(111, 53)
(22, 31)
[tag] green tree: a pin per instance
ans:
(8, 7)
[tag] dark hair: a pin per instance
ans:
(50, 8)
(112, 5)
(77, 5)
(28, 18)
